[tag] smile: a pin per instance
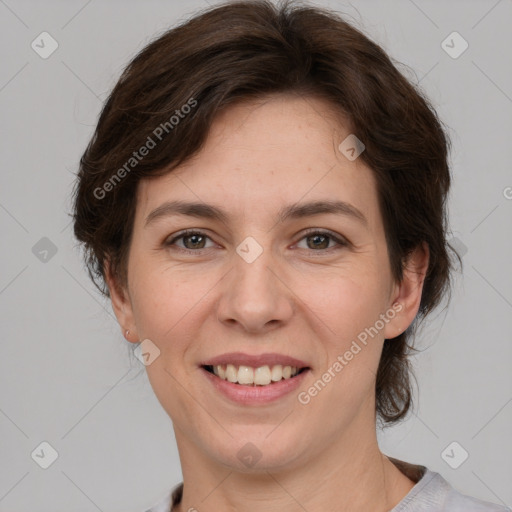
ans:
(250, 376)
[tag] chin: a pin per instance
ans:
(253, 450)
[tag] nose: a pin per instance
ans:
(255, 296)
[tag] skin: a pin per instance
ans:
(294, 299)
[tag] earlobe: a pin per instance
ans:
(121, 305)
(409, 291)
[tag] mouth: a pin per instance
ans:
(266, 375)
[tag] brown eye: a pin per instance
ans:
(192, 241)
(320, 240)
(195, 241)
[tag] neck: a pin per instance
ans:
(349, 475)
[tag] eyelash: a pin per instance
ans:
(189, 232)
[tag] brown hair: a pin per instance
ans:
(169, 94)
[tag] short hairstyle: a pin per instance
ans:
(170, 93)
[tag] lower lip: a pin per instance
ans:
(248, 395)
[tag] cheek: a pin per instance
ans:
(170, 389)
(163, 297)
(350, 307)
(166, 304)
(347, 301)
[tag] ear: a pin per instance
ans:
(407, 294)
(121, 304)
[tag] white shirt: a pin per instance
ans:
(432, 493)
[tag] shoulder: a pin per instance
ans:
(456, 501)
(432, 493)
(439, 496)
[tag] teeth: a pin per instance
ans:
(249, 376)
(277, 373)
(262, 376)
(245, 375)
(231, 373)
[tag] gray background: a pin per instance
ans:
(65, 374)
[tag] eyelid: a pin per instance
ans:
(340, 240)
(170, 240)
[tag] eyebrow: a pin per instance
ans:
(294, 211)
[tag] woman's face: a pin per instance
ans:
(260, 287)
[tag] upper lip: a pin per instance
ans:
(242, 359)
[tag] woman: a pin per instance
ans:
(264, 203)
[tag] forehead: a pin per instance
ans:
(263, 154)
